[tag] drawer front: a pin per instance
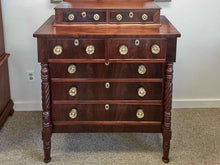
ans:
(106, 90)
(100, 70)
(134, 16)
(84, 16)
(106, 112)
(77, 49)
(137, 48)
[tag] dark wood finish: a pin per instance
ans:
(97, 112)
(97, 91)
(143, 51)
(121, 72)
(94, 70)
(46, 105)
(6, 104)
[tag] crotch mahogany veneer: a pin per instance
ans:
(6, 104)
(107, 67)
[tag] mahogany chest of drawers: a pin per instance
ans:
(107, 67)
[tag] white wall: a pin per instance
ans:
(196, 80)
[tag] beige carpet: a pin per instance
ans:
(196, 141)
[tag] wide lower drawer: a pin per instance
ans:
(106, 112)
(77, 49)
(106, 90)
(100, 70)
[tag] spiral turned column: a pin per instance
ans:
(46, 105)
(168, 86)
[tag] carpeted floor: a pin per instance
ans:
(196, 141)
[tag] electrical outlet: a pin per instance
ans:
(30, 76)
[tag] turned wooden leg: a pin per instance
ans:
(167, 134)
(11, 112)
(46, 105)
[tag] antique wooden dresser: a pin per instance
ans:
(107, 66)
(6, 104)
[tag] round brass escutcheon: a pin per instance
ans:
(123, 49)
(119, 17)
(73, 113)
(131, 15)
(137, 42)
(107, 85)
(90, 49)
(73, 91)
(84, 14)
(144, 17)
(71, 17)
(96, 17)
(142, 69)
(141, 92)
(57, 50)
(72, 69)
(76, 42)
(155, 49)
(107, 107)
(140, 113)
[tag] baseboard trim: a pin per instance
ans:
(177, 103)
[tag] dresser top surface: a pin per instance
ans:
(108, 5)
(96, 30)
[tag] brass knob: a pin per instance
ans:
(142, 69)
(137, 42)
(144, 17)
(76, 42)
(140, 113)
(90, 49)
(72, 69)
(71, 17)
(84, 14)
(73, 91)
(155, 49)
(107, 85)
(106, 107)
(131, 15)
(73, 114)
(57, 50)
(119, 17)
(141, 92)
(123, 49)
(96, 17)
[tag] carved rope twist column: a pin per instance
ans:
(46, 105)
(168, 86)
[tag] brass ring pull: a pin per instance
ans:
(141, 92)
(107, 85)
(73, 91)
(140, 113)
(57, 50)
(142, 69)
(72, 69)
(144, 17)
(71, 17)
(155, 49)
(107, 63)
(123, 49)
(73, 114)
(107, 107)
(90, 49)
(96, 17)
(119, 17)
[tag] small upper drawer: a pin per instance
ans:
(84, 16)
(135, 16)
(77, 49)
(137, 48)
(101, 70)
